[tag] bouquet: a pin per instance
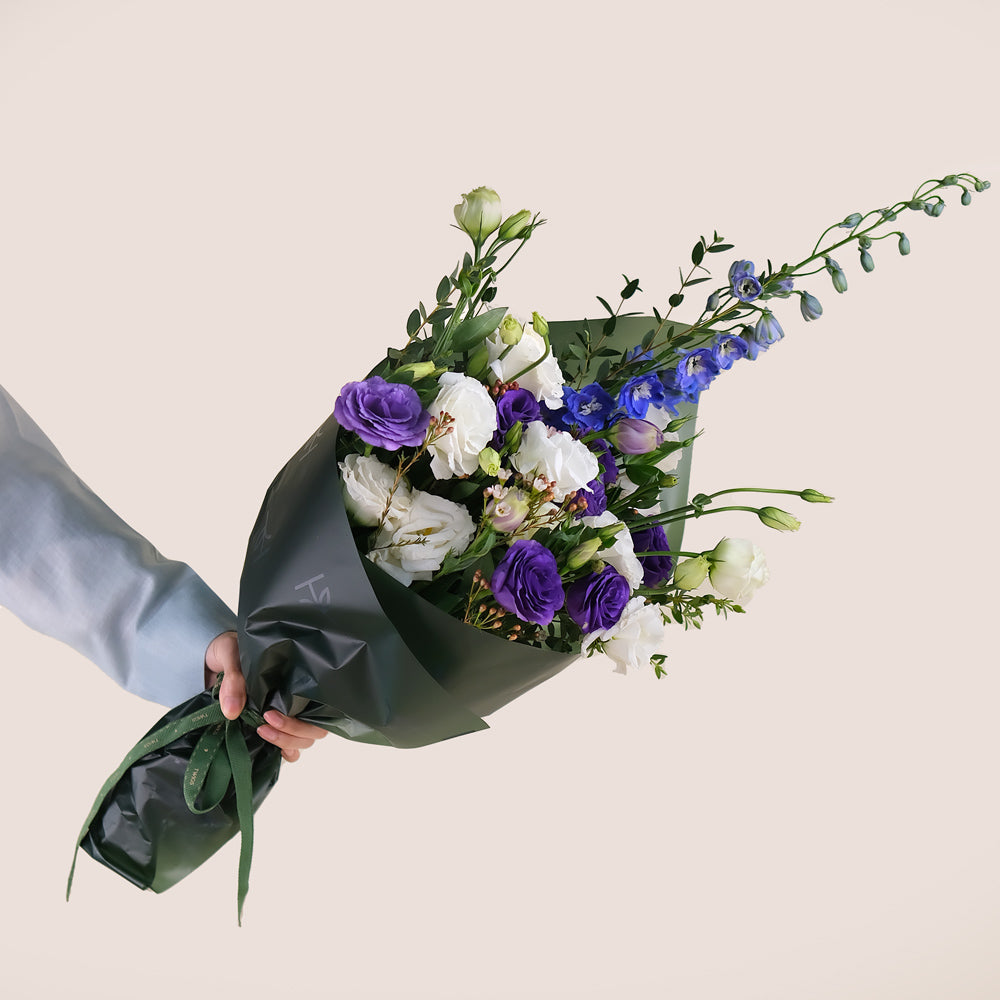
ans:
(497, 497)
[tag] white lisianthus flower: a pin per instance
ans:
(367, 485)
(468, 401)
(557, 456)
(544, 381)
(621, 555)
(737, 569)
(633, 639)
(414, 546)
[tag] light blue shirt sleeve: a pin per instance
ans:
(71, 568)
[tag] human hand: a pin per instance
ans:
(288, 734)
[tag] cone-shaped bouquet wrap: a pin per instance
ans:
(324, 635)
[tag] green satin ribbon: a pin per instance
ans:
(220, 758)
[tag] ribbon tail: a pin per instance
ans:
(239, 758)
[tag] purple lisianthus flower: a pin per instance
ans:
(696, 370)
(526, 582)
(729, 349)
(513, 406)
(384, 414)
(596, 601)
(609, 469)
(595, 497)
(655, 569)
(591, 407)
(632, 436)
(745, 286)
(638, 393)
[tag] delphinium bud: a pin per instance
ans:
(982, 186)
(967, 197)
(904, 244)
(809, 306)
(851, 221)
(837, 275)
(713, 302)
(867, 261)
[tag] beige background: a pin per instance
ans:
(214, 213)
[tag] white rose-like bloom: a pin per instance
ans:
(634, 638)
(621, 555)
(367, 483)
(544, 381)
(415, 546)
(738, 568)
(556, 455)
(469, 402)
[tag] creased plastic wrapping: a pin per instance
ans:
(326, 636)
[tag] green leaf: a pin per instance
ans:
(476, 329)
(604, 303)
(440, 314)
(698, 281)
(423, 311)
(721, 247)
(631, 287)
(609, 326)
(467, 261)
(413, 323)
(676, 299)
(698, 253)
(489, 294)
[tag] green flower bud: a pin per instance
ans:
(539, 325)
(916, 205)
(479, 362)
(938, 209)
(418, 369)
(515, 224)
(691, 573)
(966, 197)
(839, 280)
(583, 553)
(480, 213)
(982, 186)
(780, 520)
(851, 221)
(608, 531)
(489, 461)
(949, 180)
(867, 261)
(864, 242)
(904, 244)
(510, 330)
(814, 496)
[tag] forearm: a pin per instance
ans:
(71, 568)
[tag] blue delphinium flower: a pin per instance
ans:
(810, 307)
(638, 393)
(767, 330)
(695, 371)
(673, 394)
(729, 349)
(591, 407)
(741, 278)
(781, 288)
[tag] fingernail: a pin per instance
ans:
(230, 707)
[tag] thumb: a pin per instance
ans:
(232, 692)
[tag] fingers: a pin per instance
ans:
(223, 657)
(289, 734)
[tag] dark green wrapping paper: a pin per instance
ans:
(326, 636)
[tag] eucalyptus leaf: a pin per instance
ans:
(476, 329)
